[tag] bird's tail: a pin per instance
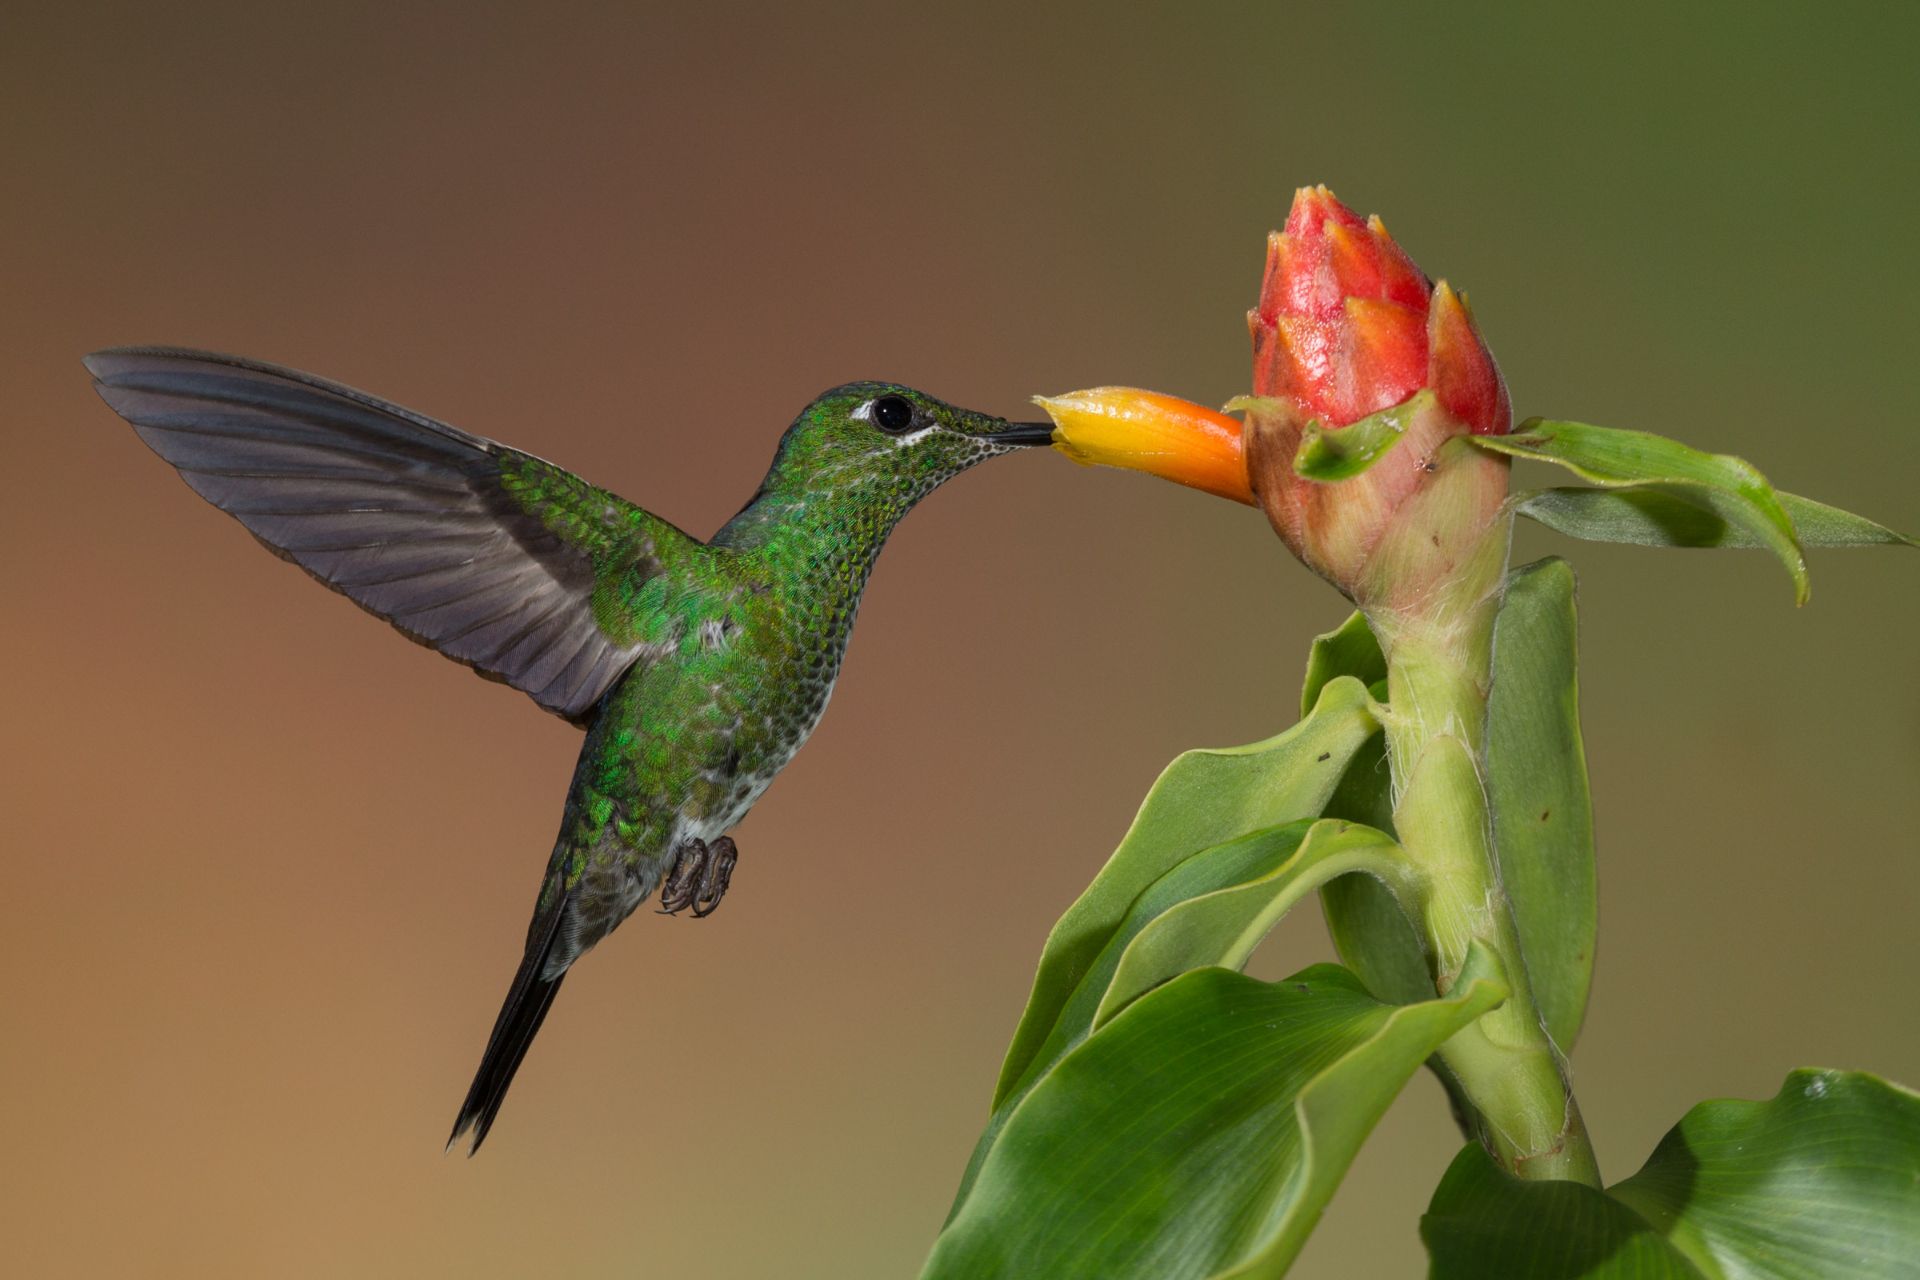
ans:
(520, 1018)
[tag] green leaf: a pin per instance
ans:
(1252, 861)
(1537, 785)
(1654, 517)
(1222, 927)
(1372, 935)
(1204, 798)
(1211, 909)
(1213, 819)
(1821, 1182)
(1483, 1222)
(1339, 453)
(1348, 650)
(1198, 1134)
(1727, 486)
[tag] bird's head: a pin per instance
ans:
(884, 439)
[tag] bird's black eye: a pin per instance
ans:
(892, 414)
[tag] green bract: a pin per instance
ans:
(1349, 451)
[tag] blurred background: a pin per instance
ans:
(267, 867)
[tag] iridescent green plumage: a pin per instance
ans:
(698, 669)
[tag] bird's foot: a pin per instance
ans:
(699, 877)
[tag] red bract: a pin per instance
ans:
(1347, 325)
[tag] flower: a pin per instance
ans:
(1364, 375)
(1353, 349)
(1175, 439)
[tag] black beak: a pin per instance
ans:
(1024, 433)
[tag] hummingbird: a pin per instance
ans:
(697, 669)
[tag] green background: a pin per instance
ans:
(266, 867)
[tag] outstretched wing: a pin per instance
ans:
(493, 557)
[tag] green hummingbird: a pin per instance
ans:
(696, 668)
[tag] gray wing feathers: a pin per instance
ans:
(404, 515)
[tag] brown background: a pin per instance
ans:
(266, 867)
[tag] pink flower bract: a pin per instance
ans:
(1347, 325)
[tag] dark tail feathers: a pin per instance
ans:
(519, 1021)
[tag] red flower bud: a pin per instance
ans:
(1347, 327)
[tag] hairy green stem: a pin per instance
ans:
(1439, 665)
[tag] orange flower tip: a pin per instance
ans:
(1450, 325)
(1162, 435)
(1445, 295)
(1314, 207)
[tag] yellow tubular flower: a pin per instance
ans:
(1162, 435)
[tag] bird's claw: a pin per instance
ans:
(699, 877)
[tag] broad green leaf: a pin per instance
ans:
(1211, 909)
(1252, 861)
(1224, 926)
(1483, 1223)
(1821, 1182)
(1198, 1134)
(1204, 798)
(1348, 650)
(1730, 487)
(1372, 935)
(1340, 453)
(1536, 776)
(1653, 517)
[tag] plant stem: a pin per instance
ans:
(1439, 666)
